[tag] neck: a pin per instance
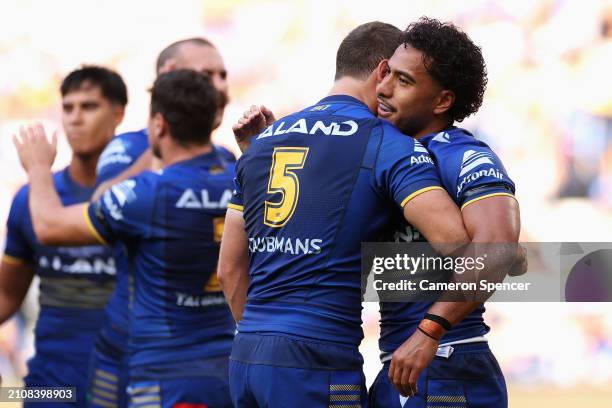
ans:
(82, 169)
(356, 88)
(435, 126)
(175, 153)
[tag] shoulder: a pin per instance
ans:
(397, 142)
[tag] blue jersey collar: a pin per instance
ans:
(342, 99)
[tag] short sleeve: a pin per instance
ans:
(477, 173)
(236, 202)
(404, 168)
(18, 248)
(120, 154)
(125, 210)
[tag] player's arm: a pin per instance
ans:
(53, 223)
(252, 122)
(233, 269)
(15, 278)
(494, 220)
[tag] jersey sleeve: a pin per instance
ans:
(404, 168)
(120, 154)
(473, 172)
(124, 212)
(18, 249)
(236, 202)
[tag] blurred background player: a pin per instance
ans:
(171, 223)
(74, 282)
(126, 155)
(300, 326)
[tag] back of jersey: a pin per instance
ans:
(310, 196)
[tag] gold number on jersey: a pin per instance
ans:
(285, 160)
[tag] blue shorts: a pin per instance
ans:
(275, 371)
(470, 377)
(53, 371)
(108, 371)
(191, 384)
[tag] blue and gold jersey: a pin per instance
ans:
(75, 282)
(118, 156)
(171, 224)
(470, 171)
(313, 186)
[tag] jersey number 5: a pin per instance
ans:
(283, 180)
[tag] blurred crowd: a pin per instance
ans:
(547, 113)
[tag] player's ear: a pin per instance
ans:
(119, 114)
(382, 70)
(444, 102)
(157, 125)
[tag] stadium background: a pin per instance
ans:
(547, 113)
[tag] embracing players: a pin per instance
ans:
(309, 190)
(435, 77)
(75, 283)
(170, 222)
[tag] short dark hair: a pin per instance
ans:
(171, 50)
(453, 60)
(188, 102)
(111, 84)
(364, 47)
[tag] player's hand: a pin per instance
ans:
(519, 267)
(252, 122)
(33, 147)
(409, 360)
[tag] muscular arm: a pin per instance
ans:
(494, 220)
(15, 279)
(233, 269)
(488, 221)
(53, 223)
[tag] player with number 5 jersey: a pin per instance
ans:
(311, 188)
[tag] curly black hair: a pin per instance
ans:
(453, 60)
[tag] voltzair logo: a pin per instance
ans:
(423, 157)
(117, 196)
(115, 153)
(473, 159)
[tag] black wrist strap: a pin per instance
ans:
(427, 334)
(438, 319)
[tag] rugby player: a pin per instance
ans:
(127, 155)
(309, 190)
(171, 222)
(425, 69)
(437, 61)
(75, 283)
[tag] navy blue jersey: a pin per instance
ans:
(75, 282)
(313, 186)
(469, 171)
(118, 156)
(171, 224)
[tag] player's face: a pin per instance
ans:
(89, 119)
(207, 61)
(407, 94)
